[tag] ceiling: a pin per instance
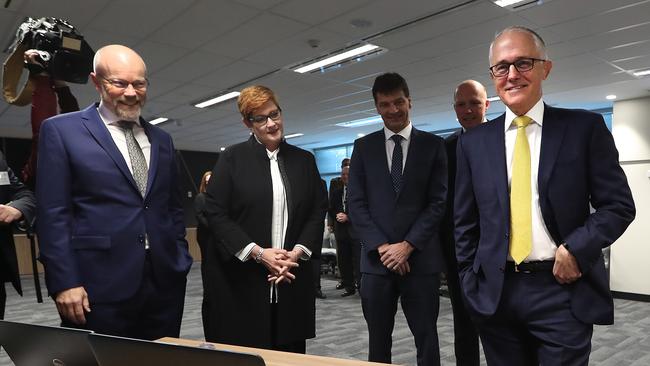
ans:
(195, 49)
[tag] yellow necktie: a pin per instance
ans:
(521, 232)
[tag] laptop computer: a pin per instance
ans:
(33, 345)
(118, 351)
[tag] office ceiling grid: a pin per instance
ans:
(195, 49)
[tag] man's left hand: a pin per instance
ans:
(565, 269)
(396, 254)
(9, 214)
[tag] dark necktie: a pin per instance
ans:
(138, 162)
(396, 165)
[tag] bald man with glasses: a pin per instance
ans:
(110, 220)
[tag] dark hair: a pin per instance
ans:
(345, 162)
(388, 83)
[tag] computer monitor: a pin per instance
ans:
(118, 351)
(31, 344)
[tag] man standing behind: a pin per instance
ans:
(347, 243)
(398, 187)
(530, 257)
(110, 221)
(470, 104)
(17, 206)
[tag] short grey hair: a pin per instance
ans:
(539, 42)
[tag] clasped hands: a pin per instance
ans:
(395, 256)
(279, 263)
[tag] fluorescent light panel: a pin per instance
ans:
(494, 99)
(158, 120)
(361, 122)
(293, 135)
(504, 3)
(642, 73)
(610, 97)
(337, 58)
(219, 99)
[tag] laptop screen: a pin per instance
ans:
(31, 344)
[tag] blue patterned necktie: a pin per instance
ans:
(396, 165)
(138, 162)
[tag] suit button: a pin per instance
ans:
(146, 207)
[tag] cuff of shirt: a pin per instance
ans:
(245, 253)
(306, 253)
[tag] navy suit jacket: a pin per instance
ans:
(92, 220)
(379, 215)
(578, 166)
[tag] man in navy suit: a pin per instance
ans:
(397, 192)
(470, 105)
(110, 221)
(539, 309)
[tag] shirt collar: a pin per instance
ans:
(536, 114)
(107, 116)
(405, 133)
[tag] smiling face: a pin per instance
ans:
(394, 108)
(268, 132)
(470, 104)
(117, 64)
(520, 91)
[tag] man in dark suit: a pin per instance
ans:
(528, 248)
(110, 221)
(470, 105)
(398, 187)
(347, 242)
(336, 183)
(17, 207)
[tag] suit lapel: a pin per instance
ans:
(155, 155)
(378, 149)
(496, 154)
(552, 135)
(96, 127)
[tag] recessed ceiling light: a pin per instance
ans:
(294, 135)
(361, 122)
(494, 99)
(219, 99)
(158, 120)
(642, 73)
(222, 148)
(610, 97)
(504, 3)
(341, 56)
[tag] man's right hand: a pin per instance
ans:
(72, 303)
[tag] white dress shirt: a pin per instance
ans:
(111, 121)
(280, 218)
(543, 245)
(390, 144)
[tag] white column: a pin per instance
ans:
(630, 255)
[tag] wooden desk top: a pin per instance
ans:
(277, 358)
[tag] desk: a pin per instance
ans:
(277, 358)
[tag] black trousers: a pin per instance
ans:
(466, 341)
(3, 300)
(349, 260)
(420, 301)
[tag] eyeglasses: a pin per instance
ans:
(139, 85)
(262, 118)
(522, 65)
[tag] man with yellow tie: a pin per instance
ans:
(529, 250)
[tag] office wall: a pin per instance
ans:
(629, 270)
